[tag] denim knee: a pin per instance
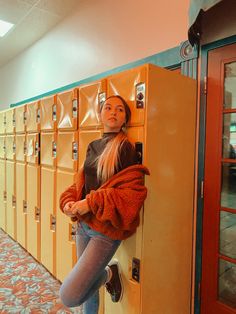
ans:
(68, 298)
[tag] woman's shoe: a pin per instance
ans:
(114, 286)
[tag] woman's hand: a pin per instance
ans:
(80, 207)
(67, 209)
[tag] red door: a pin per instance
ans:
(219, 219)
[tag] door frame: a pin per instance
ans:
(201, 164)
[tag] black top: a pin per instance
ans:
(127, 158)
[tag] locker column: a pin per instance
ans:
(10, 174)
(21, 221)
(48, 156)
(33, 179)
(67, 166)
(2, 171)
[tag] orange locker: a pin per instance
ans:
(2, 147)
(2, 122)
(48, 219)
(67, 110)
(21, 221)
(33, 210)
(10, 147)
(49, 113)
(32, 148)
(10, 121)
(20, 147)
(48, 148)
(65, 237)
(11, 199)
(131, 85)
(20, 114)
(33, 117)
(3, 194)
(90, 98)
(86, 137)
(67, 150)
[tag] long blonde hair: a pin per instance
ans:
(108, 161)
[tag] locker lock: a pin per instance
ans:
(25, 148)
(101, 98)
(74, 108)
(14, 148)
(52, 223)
(13, 200)
(54, 149)
(36, 148)
(24, 117)
(75, 150)
(37, 214)
(4, 120)
(136, 269)
(4, 196)
(14, 119)
(38, 116)
(24, 207)
(140, 95)
(72, 232)
(54, 112)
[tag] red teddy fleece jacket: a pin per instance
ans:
(115, 206)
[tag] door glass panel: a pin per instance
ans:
(230, 86)
(228, 188)
(229, 136)
(228, 234)
(227, 283)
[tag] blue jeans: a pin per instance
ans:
(94, 251)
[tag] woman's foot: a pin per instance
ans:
(114, 285)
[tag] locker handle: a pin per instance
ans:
(52, 223)
(4, 196)
(54, 149)
(24, 207)
(75, 151)
(13, 200)
(72, 232)
(37, 214)
(74, 108)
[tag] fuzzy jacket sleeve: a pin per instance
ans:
(118, 205)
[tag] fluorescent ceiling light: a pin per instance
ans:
(5, 27)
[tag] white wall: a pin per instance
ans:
(98, 36)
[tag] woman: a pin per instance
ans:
(105, 200)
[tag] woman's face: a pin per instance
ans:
(113, 115)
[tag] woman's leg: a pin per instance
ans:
(89, 272)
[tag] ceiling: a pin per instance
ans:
(32, 19)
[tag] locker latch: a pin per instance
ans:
(74, 108)
(14, 148)
(52, 223)
(72, 232)
(54, 112)
(136, 269)
(38, 116)
(24, 207)
(54, 149)
(4, 196)
(37, 214)
(139, 152)
(25, 148)
(36, 148)
(14, 119)
(13, 201)
(140, 95)
(24, 117)
(4, 120)
(75, 150)
(101, 98)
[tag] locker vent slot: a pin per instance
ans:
(140, 95)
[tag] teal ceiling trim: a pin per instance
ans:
(169, 59)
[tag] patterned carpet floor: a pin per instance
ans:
(25, 285)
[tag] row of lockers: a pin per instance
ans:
(78, 107)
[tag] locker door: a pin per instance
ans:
(10, 147)
(48, 149)
(129, 252)
(131, 85)
(10, 206)
(10, 121)
(33, 210)
(85, 137)
(48, 218)
(65, 244)
(67, 150)
(20, 113)
(20, 203)
(33, 117)
(20, 147)
(90, 97)
(3, 194)
(49, 113)
(67, 108)
(2, 122)
(2, 147)
(32, 148)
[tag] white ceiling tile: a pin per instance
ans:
(59, 7)
(13, 10)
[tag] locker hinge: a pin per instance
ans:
(13, 201)
(140, 95)
(52, 223)
(74, 108)
(24, 207)
(75, 150)
(136, 269)
(101, 99)
(139, 152)
(54, 112)
(38, 116)
(205, 85)
(202, 189)
(37, 214)
(54, 149)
